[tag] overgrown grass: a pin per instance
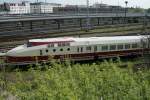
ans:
(67, 81)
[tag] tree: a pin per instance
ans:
(136, 10)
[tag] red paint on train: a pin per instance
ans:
(42, 43)
(76, 56)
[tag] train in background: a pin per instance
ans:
(77, 49)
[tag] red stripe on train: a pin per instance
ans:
(75, 56)
(52, 42)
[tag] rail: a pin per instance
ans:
(33, 34)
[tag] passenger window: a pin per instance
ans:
(88, 48)
(59, 44)
(54, 50)
(61, 49)
(29, 44)
(41, 53)
(112, 47)
(67, 44)
(104, 48)
(81, 49)
(134, 45)
(95, 48)
(120, 47)
(46, 50)
(68, 49)
(127, 46)
(50, 45)
(78, 49)
(63, 44)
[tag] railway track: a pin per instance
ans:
(107, 30)
(70, 31)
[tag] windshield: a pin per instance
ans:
(29, 44)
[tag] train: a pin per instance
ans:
(77, 48)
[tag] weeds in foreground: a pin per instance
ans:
(67, 81)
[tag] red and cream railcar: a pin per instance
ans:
(75, 48)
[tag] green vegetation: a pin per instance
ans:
(67, 81)
(136, 10)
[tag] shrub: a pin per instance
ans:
(102, 80)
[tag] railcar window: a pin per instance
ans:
(41, 53)
(61, 49)
(81, 49)
(54, 50)
(135, 45)
(88, 48)
(50, 45)
(112, 47)
(63, 44)
(120, 47)
(127, 46)
(95, 48)
(78, 49)
(46, 50)
(68, 49)
(29, 44)
(104, 47)
(59, 44)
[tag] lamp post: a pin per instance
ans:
(45, 7)
(126, 3)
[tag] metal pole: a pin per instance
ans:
(45, 7)
(126, 2)
(117, 11)
(88, 19)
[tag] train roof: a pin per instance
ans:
(54, 40)
(112, 38)
(87, 39)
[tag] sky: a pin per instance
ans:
(131, 3)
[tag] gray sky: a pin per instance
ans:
(131, 3)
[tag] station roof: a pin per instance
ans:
(54, 16)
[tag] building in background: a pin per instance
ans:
(96, 8)
(16, 8)
(100, 5)
(4, 8)
(41, 7)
